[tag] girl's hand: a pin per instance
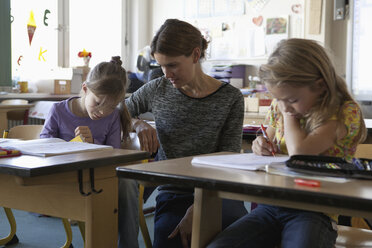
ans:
(261, 146)
(281, 107)
(286, 114)
(184, 228)
(85, 133)
(147, 136)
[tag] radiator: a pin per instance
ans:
(31, 121)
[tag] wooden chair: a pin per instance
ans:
(134, 144)
(27, 132)
(350, 237)
(17, 115)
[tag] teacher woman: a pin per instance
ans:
(194, 114)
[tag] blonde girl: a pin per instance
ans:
(312, 113)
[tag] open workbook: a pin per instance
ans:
(50, 146)
(250, 161)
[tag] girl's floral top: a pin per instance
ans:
(344, 147)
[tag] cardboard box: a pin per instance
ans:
(265, 102)
(263, 109)
(251, 104)
(62, 87)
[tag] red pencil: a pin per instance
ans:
(304, 182)
(268, 140)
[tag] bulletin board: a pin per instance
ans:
(245, 29)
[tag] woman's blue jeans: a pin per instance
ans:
(171, 208)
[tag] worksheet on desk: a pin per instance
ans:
(245, 161)
(51, 146)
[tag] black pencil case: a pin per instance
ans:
(331, 166)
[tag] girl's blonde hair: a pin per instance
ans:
(110, 79)
(301, 62)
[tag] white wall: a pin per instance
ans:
(333, 33)
(138, 22)
(165, 9)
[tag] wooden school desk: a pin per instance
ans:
(51, 186)
(5, 108)
(36, 96)
(352, 198)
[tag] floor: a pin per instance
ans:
(34, 231)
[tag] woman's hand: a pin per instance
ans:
(147, 136)
(261, 146)
(85, 133)
(184, 228)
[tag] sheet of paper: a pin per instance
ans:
(315, 19)
(51, 146)
(245, 161)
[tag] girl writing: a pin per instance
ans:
(94, 116)
(312, 113)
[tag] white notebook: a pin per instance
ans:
(245, 161)
(50, 146)
(250, 161)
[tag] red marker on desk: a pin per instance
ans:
(304, 182)
(268, 140)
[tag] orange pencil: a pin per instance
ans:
(268, 140)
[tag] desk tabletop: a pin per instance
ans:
(16, 106)
(30, 166)
(353, 194)
(36, 96)
(39, 96)
(368, 123)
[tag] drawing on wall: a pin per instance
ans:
(31, 27)
(257, 20)
(296, 8)
(212, 8)
(258, 32)
(276, 25)
(276, 30)
(257, 5)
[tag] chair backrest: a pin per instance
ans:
(14, 102)
(133, 143)
(16, 115)
(364, 151)
(25, 132)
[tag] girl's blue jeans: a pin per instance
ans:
(269, 226)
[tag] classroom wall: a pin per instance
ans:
(235, 50)
(333, 34)
(138, 35)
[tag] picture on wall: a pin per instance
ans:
(276, 25)
(276, 30)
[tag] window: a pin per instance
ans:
(95, 26)
(50, 33)
(34, 36)
(361, 45)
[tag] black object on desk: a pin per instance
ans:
(331, 166)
